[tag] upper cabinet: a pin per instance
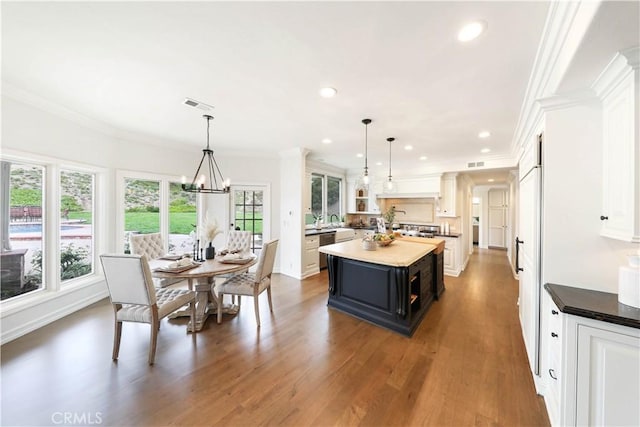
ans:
(448, 189)
(618, 88)
(363, 201)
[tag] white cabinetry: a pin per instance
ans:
(311, 259)
(618, 87)
(591, 370)
(450, 257)
(448, 188)
(365, 202)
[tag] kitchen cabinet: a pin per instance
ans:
(450, 258)
(363, 202)
(447, 202)
(618, 87)
(590, 369)
(311, 257)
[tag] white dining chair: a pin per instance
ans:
(134, 298)
(252, 284)
(151, 245)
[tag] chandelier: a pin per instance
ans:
(216, 183)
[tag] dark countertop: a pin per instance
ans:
(596, 305)
(315, 231)
(447, 234)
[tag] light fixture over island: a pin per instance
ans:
(392, 286)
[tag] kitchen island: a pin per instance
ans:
(391, 287)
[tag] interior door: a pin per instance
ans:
(497, 218)
(527, 263)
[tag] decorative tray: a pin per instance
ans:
(171, 257)
(176, 269)
(235, 260)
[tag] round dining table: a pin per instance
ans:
(204, 273)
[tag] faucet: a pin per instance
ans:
(331, 218)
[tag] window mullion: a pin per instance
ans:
(51, 229)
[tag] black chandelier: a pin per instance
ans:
(217, 184)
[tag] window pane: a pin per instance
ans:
(76, 224)
(333, 197)
(22, 252)
(248, 214)
(182, 218)
(142, 208)
(316, 195)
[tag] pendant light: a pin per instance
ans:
(389, 186)
(217, 184)
(364, 180)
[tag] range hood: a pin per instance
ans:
(430, 195)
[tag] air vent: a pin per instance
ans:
(479, 164)
(471, 165)
(197, 104)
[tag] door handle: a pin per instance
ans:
(518, 242)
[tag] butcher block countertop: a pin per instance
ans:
(400, 253)
(438, 243)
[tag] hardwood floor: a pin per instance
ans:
(307, 365)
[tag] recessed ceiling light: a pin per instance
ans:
(485, 150)
(328, 92)
(408, 147)
(484, 134)
(359, 155)
(471, 31)
(378, 163)
(423, 157)
(327, 141)
(491, 180)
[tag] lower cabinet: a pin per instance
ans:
(591, 370)
(311, 257)
(452, 265)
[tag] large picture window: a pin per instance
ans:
(21, 264)
(76, 224)
(158, 205)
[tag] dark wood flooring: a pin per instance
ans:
(307, 365)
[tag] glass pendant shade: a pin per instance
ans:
(208, 178)
(389, 186)
(362, 183)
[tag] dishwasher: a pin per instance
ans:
(326, 239)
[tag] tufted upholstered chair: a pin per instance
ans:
(134, 298)
(152, 246)
(239, 240)
(252, 284)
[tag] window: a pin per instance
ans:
(22, 226)
(141, 207)
(248, 214)
(326, 198)
(76, 224)
(182, 217)
(157, 204)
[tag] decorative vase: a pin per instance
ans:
(210, 252)
(318, 225)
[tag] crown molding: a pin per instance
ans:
(623, 63)
(565, 27)
(567, 100)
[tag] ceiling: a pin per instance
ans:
(130, 65)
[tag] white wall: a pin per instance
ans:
(573, 253)
(293, 170)
(29, 130)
